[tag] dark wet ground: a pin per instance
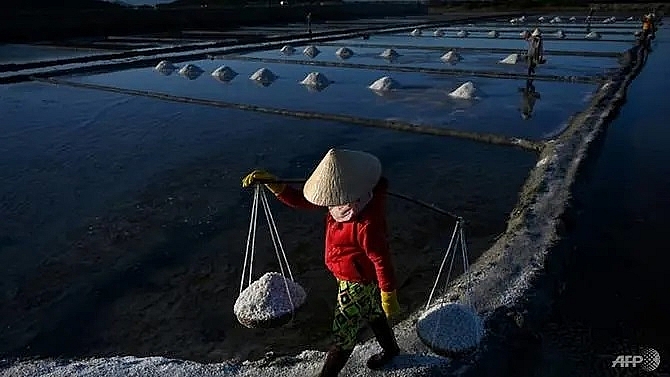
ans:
(16, 53)
(126, 231)
(615, 294)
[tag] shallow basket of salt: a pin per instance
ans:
(316, 80)
(450, 329)
(311, 51)
(344, 53)
(592, 35)
(462, 34)
(493, 34)
(266, 303)
(224, 73)
(263, 76)
(438, 33)
(389, 53)
(416, 33)
(451, 57)
(511, 59)
(287, 50)
(465, 91)
(384, 84)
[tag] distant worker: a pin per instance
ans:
(647, 30)
(309, 23)
(535, 51)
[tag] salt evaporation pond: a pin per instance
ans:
(22, 53)
(559, 45)
(424, 100)
(560, 65)
(126, 213)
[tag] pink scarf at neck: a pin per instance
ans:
(348, 211)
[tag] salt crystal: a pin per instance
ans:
(494, 34)
(389, 53)
(311, 51)
(592, 35)
(438, 33)
(267, 299)
(416, 33)
(191, 71)
(462, 34)
(451, 57)
(287, 50)
(560, 34)
(450, 328)
(525, 34)
(263, 76)
(511, 59)
(465, 91)
(383, 84)
(344, 53)
(316, 80)
(224, 73)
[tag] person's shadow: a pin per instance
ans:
(528, 98)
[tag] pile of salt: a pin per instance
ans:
(450, 329)
(494, 34)
(438, 33)
(311, 51)
(316, 80)
(191, 71)
(224, 73)
(560, 34)
(556, 20)
(266, 301)
(263, 76)
(416, 33)
(451, 57)
(383, 84)
(462, 34)
(165, 67)
(287, 50)
(541, 19)
(389, 53)
(344, 53)
(573, 19)
(511, 59)
(465, 91)
(592, 35)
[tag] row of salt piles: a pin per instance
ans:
(222, 73)
(386, 84)
(313, 51)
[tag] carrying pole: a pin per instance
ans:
(391, 193)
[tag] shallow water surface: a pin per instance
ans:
(21, 53)
(423, 98)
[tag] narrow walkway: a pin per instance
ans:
(616, 293)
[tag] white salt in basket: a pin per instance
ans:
(266, 303)
(450, 329)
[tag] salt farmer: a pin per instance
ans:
(309, 23)
(350, 185)
(535, 50)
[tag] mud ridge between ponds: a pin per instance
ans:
(434, 71)
(367, 122)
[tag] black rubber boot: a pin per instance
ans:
(336, 358)
(386, 338)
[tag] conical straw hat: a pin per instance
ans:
(536, 33)
(343, 176)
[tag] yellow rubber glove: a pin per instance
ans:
(390, 303)
(255, 175)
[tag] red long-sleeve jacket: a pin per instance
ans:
(356, 250)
